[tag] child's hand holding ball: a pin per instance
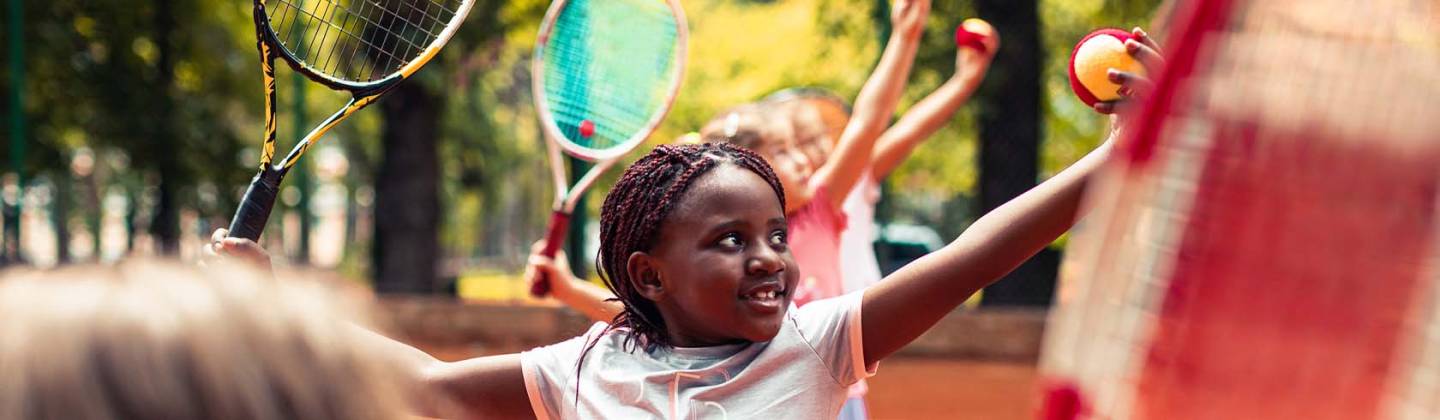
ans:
(1109, 66)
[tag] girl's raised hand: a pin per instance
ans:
(1135, 86)
(556, 269)
(971, 64)
(907, 17)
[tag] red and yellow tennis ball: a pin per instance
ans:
(974, 33)
(1091, 61)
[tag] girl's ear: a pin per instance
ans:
(644, 272)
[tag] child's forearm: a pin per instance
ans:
(919, 123)
(1012, 233)
(411, 365)
(914, 298)
(873, 109)
(478, 387)
(876, 102)
(588, 298)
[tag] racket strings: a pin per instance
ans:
(358, 41)
(611, 64)
(1295, 160)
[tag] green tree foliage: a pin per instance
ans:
(146, 85)
(96, 82)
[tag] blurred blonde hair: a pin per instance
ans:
(752, 126)
(816, 113)
(161, 340)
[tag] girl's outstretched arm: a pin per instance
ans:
(875, 104)
(931, 113)
(908, 302)
(484, 387)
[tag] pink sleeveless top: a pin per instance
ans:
(815, 242)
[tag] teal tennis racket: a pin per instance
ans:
(605, 73)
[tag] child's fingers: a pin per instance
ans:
(240, 244)
(1148, 57)
(1107, 107)
(1146, 39)
(529, 276)
(1132, 84)
(220, 234)
(992, 43)
(1114, 108)
(541, 267)
(244, 249)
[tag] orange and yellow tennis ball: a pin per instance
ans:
(974, 33)
(1092, 60)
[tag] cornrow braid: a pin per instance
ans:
(638, 205)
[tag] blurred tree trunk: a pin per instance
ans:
(1010, 124)
(11, 206)
(60, 214)
(407, 193)
(166, 225)
(94, 211)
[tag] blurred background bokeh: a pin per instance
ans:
(131, 128)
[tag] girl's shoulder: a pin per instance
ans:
(600, 335)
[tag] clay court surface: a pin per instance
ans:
(916, 388)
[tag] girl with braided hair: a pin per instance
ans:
(694, 243)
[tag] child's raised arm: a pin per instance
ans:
(931, 113)
(875, 104)
(910, 301)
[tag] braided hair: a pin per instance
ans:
(634, 211)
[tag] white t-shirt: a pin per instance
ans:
(858, 266)
(802, 373)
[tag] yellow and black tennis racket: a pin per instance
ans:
(366, 47)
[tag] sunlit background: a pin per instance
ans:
(133, 127)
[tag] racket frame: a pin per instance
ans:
(566, 197)
(259, 199)
(1063, 399)
(551, 128)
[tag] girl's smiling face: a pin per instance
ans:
(720, 271)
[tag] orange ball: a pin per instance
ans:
(1092, 60)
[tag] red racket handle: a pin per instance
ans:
(554, 237)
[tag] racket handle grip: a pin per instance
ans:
(255, 207)
(554, 237)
